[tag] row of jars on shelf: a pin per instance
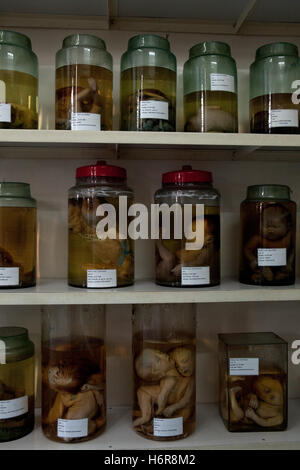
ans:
(267, 234)
(148, 86)
(252, 376)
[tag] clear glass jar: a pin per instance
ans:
(83, 84)
(148, 85)
(18, 82)
(268, 236)
(272, 110)
(176, 264)
(164, 357)
(16, 383)
(253, 381)
(73, 372)
(210, 89)
(17, 236)
(96, 262)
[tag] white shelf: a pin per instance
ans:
(210, 434)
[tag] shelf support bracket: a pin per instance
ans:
(244, 15)
(243, 152)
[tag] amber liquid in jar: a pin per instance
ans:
(83, 89)
(260, 113)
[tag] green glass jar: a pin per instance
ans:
(18, 82)
(16, 383)
(83, 84)
(17, 236)
(148, 85)
(210, 89)
(272, 108)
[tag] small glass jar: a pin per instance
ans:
(253, 383)
(18, 82)
(73, 372)
(268, 236)
(16, 383)
(148, 85)
(164, 357)
(192, 256)
(95, 262)
(272, 108)
(83, 84)
(17, 236)
(210, 89)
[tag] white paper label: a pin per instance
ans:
(284, 118)
(193, 275)
(5, 112)
(85, 122)
(271, 256)
(2, 352)
(101, 278)
(70, 428)
(168, 427)
(152, 109)
(12, 408)
(243, 366)
(9, 276)
(221, 82)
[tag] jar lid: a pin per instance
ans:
(148, 40)
(268, 191)
(101, 169)
(15, 39)
(210, 47)
(276, 48)
(187, 175)
(14, 338)
(87, 40)
(13, 189)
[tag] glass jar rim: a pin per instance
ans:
(15, 189)
(268, 191)
(83, 40)
(276, 49)
(148, 41)
(210, 48)
(14, 38)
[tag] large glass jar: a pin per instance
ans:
(268, 236)
(192, 257)
(95, 261)
(210, 89)
(16, 383)
(164, 357)
(148, 85)
(272, 110)
(73, 372)
(83, 84)
(17, 236)
(18, 82)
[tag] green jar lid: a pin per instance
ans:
(85, 40)
(14, 344)
(16, 194)
(276, 48)
(148, 40)
(210, 47)
(262, 192)
(15, 39)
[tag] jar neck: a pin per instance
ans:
(185, 185)
(100, 180)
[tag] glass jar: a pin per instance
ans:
(83, 84)
(18, 82)
(192, 256)
(17, 236)
(268, 236)
(272, 110)
(16, 383)
(95, 261)
(73, 372)
(148, 85)
(253, 381)
(210, 89)
(164, 357)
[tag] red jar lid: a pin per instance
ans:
(101, 169)
(187, 175)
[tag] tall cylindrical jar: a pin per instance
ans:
(268, 236)
(83, 84)
(210, 89)
(18, 82)
(100, 256)
(148, 85)
(164, 356)
(189, 253)
(17, 236)
(17, 385)
(273, 109)
(73, 372)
